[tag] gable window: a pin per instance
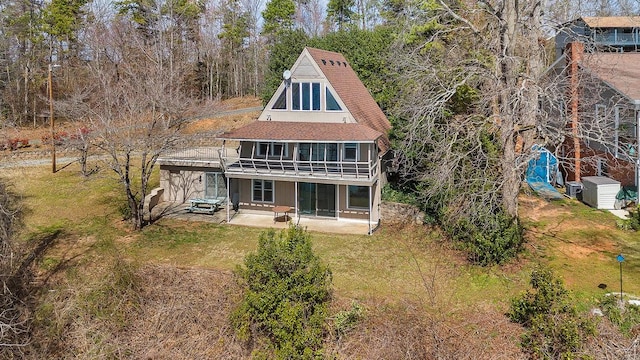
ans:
(332, 104)
(358, 197)
(262, 191)
(281, 102)
(350, 152)
(305, 96)
(272, 149)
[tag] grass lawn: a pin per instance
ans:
(395, 264)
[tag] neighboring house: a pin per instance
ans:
(607, 33)
(318, 147)
(604, 99)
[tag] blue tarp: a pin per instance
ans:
(541, 172)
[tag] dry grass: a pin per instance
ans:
(182, 314)
(408, 330)
(422, 299)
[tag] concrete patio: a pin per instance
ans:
(262, 219)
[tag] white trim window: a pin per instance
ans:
(331, 104)
(305, 96)
(281, 101)
(358, 197)
(350, 152)
(272, 149)
(262, 191)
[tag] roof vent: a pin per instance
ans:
(324, 62)
(331, 61)
(344, 63)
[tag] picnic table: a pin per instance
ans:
(204, 205)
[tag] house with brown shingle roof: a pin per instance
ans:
(316, 150)
(603, 106)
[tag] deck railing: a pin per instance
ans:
(617, 38)
(197, 153)
(301, 168)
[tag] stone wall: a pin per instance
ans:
(392, 212)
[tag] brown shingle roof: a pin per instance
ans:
(612, 21)
(353, 93)
(303, 131)
(620, 70)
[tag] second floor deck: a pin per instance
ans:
(249, 164)
(616, 37)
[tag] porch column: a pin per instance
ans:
(369, 210)
(369, 165)
(338, 201)
(295, 198)
(228, 202)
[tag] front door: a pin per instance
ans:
(317, 199)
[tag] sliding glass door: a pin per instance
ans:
(317, 199)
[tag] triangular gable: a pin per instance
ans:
(336, 76)
(306, 70)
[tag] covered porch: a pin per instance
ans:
(261, 219)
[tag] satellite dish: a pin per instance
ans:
(286, 75)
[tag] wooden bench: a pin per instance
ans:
(204, 205)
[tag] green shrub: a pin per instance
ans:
(554, 328)
(389, 193)
(347, 320)
(494, 239)
(633, 222)
(286, 292)
(626, 318)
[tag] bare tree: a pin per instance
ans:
(14, 318)
(473, 84)
(136, 106)
(310, 16)
(475, 79)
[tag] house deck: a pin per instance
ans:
(326, 169)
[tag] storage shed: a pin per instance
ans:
(600, 192)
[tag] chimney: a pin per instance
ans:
(574, 53)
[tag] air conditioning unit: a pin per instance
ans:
(574, 189)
